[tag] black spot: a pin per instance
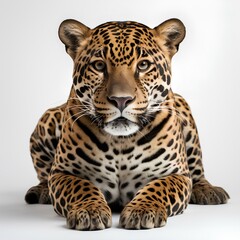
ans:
(181, 197)
(79, 93)
(191, 160)
(111, 185)
(106, 41)
(149, 198)
(115, 151)
(62, 202)
(86, 189)
(170, 143)
(151, 189)
(180, 209)
(130, 195)
(189, 136)
(76, 189)
(109, 157)
(133, 167)
(76, 165)
(110, 169)
(124, 185)
(166, 157)
(137, 176)
(168, 210)
(164, 183)
(123, 167)
(62, 148)
(154, 156)
(173, 157)
(159, 193)
(138, 156)
(108, 195)
(99, 180)
(54, 142)
(189, 151)
(197, 172)
(158, 164)
(58, 193)
(138, 184)
(85, 184)
(76, 172)
(168, 79)
(40, 164)
(175, 207)
(149, 136)
(45, 158)
(58, 208)
(165, 93)
(146, 169)
(160, 68)
(86, 196)
(85, 157)
(128, 150)
(71, 156)
(75, 80)
(88, 146)
(160, 88)
(73, 141)
(195, 151)
(175, 170)
(75, 182)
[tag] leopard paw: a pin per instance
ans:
(38, 194)
(206, 194)
(89, 217)
(142, 217)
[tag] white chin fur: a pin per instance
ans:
(121, 129)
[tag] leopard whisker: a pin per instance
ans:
(81, 113)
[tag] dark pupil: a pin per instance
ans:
(100, 65)
(143, 65)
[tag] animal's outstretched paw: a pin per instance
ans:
(142, 217)
(38, 194)
(89, 216)
(204, 193)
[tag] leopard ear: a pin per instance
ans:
(171, 33)
(72, 33)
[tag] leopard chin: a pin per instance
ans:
(121, 127)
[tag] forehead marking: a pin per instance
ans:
(123, 41)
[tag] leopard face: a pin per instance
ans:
(122, 71)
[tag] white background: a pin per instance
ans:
(35, 74)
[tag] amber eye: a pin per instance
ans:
(99, 65)
(143, 65)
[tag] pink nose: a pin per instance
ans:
(120, 102)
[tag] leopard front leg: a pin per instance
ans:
(156, 201)
(203, 192)
(80, 202)
(43, 143)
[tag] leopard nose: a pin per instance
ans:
(120, 102)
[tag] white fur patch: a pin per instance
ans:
(121, 127)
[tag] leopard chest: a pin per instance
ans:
(127, 166)
(121, 166)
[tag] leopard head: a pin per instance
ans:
(122, 70)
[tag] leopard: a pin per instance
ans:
(123, 140)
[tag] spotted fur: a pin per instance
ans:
(123, 140)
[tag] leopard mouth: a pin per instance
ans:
(121, 126)
(121, 120)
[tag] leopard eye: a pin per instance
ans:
(99, 65)
(143, 65)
